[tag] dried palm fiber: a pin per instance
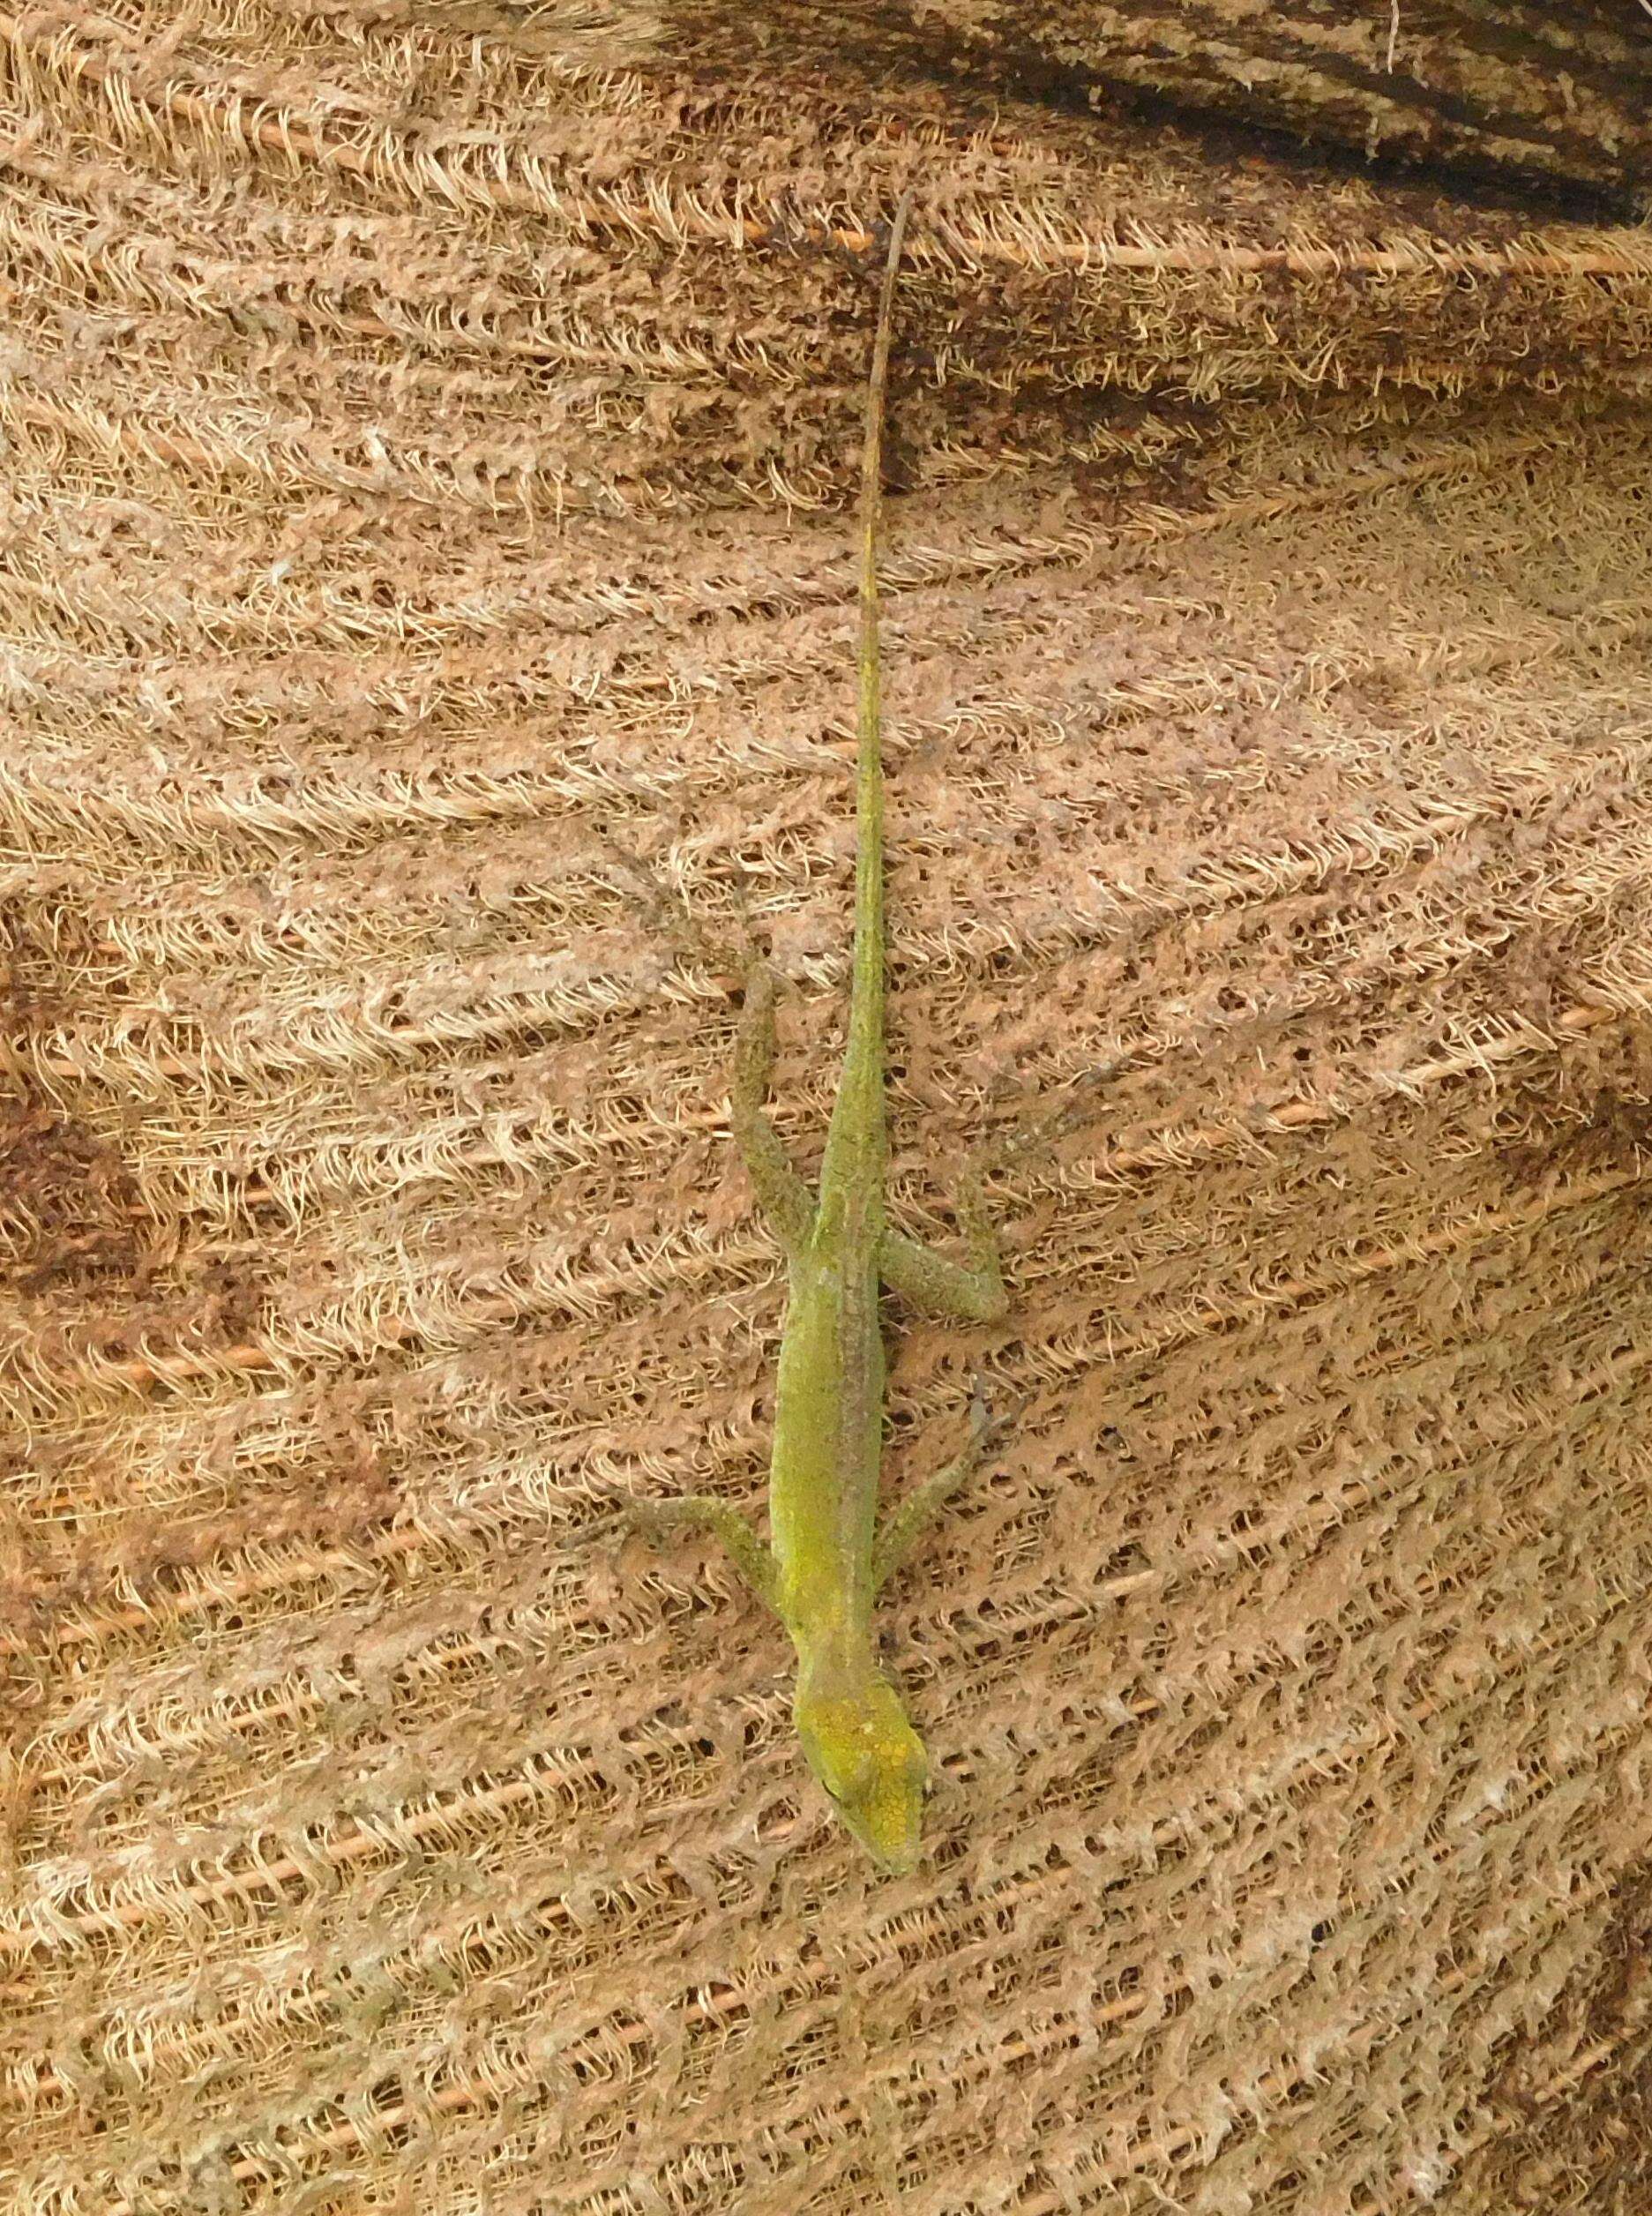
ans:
(428, 442)
(1546, 103)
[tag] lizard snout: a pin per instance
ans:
(861, 1746)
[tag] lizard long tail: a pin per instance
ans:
(866, 1009)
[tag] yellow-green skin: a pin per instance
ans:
(828, 1556)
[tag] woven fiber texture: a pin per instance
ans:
(427, 607)
(1546, 103)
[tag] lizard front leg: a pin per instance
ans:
(705, 1512)
(788, 1207)
(902, 1529)
(974, 1293)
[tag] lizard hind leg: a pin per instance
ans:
(787, 1203)
(971, 1291)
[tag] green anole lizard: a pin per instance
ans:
(828, 1556)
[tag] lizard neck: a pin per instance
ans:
(835, 1660)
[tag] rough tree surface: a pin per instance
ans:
(429, 437)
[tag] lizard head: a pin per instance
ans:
(871, 1763)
